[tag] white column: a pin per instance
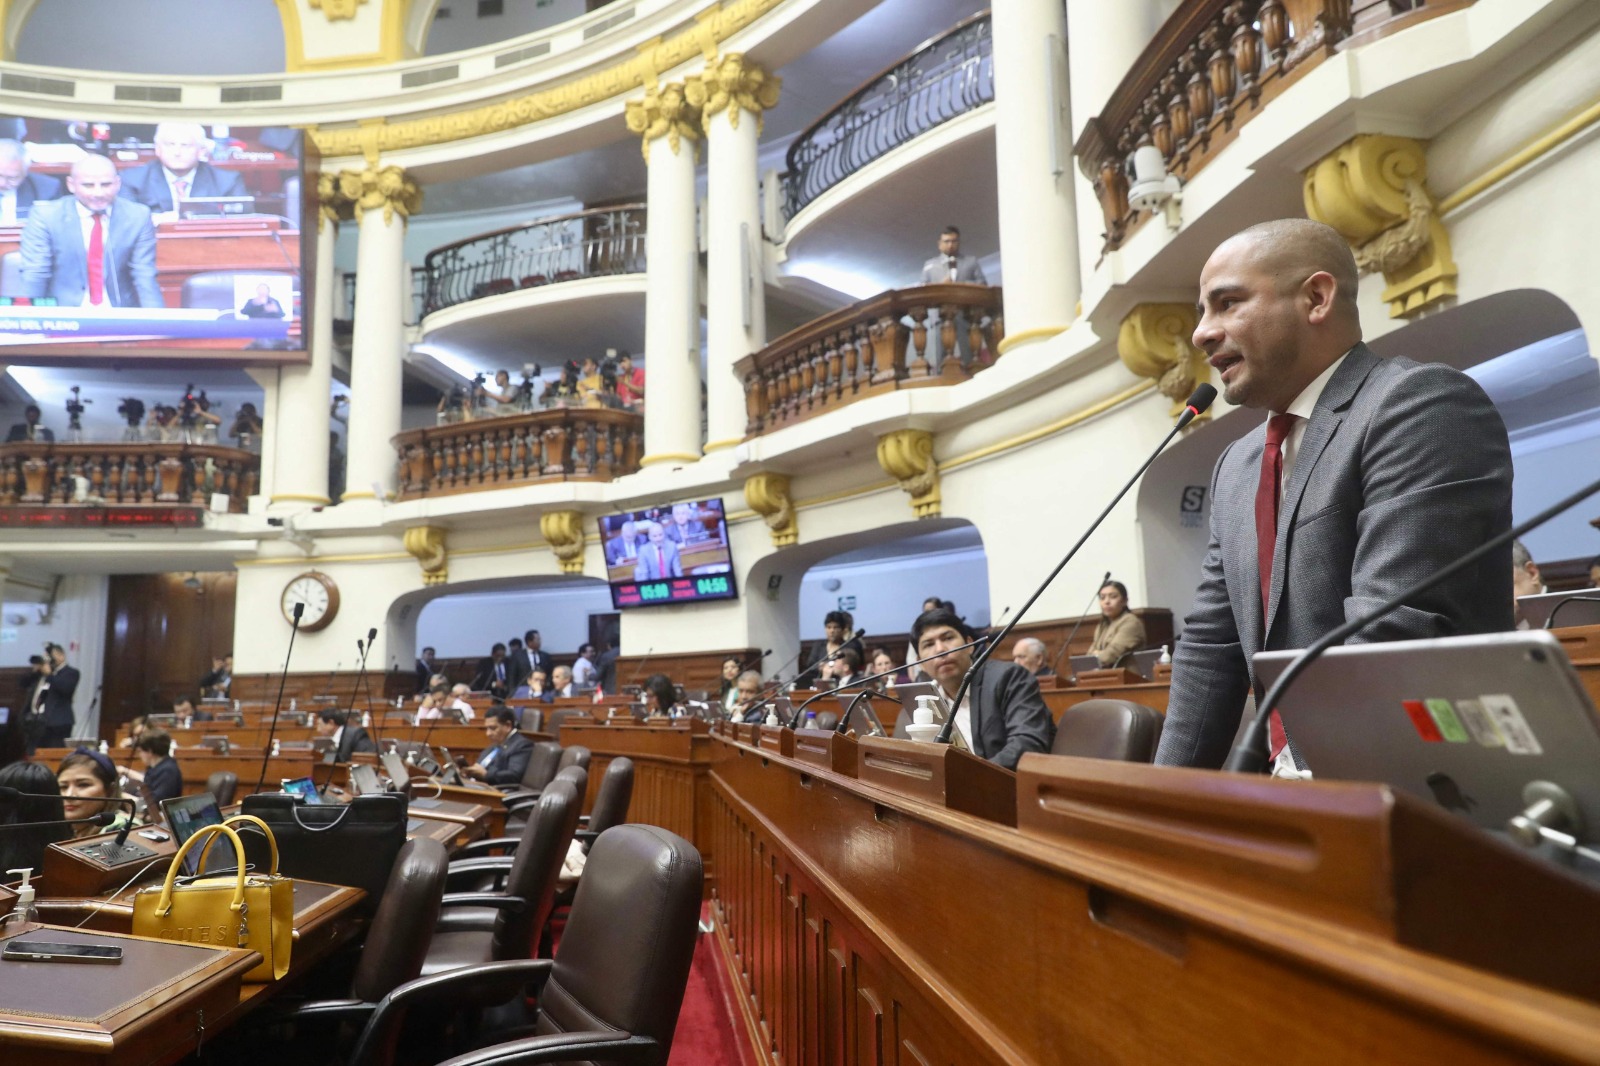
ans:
(377, 353)
(736, 310)
(672, 300)
(298, 433)
(1033, 150)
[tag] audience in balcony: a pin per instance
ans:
(246, 428)
(591, 386)
(630, 382)
(504, 398)
(950, 265)
(1120, 631)
(29, 428)
(563, 390)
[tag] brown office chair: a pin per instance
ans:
(533, 719)
(1109, 729)
(478, 927)
(542, 766)
(554, 719)
(223, 784)
(518, 804)
(615, 987)
(577, 755)
(611, 800)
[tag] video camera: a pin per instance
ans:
(132, 409)
(75, 404)
(191, 405)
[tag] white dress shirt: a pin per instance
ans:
(8, 207)
(1302, 408)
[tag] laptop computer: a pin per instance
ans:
(186, 816)
(364, 780)
(1582, 608)
(304, 787)
(1464, 722)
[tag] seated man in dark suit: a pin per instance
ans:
(93, 248)
(20, 190)
(162, 777)
(177, 173)
(347, 739)
(1003, 715)
(29, 428)
(505, 760)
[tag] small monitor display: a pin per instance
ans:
(186, 816)
(676, 554)
(303, 787)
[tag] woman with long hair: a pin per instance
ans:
(24, 848)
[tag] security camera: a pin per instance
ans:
(1153, 188)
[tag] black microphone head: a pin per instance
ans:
(359, 644)
(1201, 398)
(372, 634)
(299, 609)
(105, 818)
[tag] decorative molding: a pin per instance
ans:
(665, 112)
(642, 71)
(332, 206)
(768, 496)
(1154, 342)
(426, 544)
(732, 84)
(563, 531)
(1373, 190)
(389, 188)
(337, 9)
(1029, 336)
(907, 456)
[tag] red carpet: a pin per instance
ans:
(705, 1035)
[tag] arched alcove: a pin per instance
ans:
(177, 37)
(463, 620)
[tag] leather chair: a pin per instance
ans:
(478, 927)
(615, 987)
(223, 784)
(542, 767)
(611, 800)
(533, 719)
(577, 755)
(215, 289)
(554, 719)
(1109, 729)
(518, 804)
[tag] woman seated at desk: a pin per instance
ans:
(20, 847)
(729, 696)
(881, 662)
(86, 779)
(1120, 631)
(661, 697)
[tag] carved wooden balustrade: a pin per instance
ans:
(562, 444)
(36, 474)
(1210, 68)
(900, 339)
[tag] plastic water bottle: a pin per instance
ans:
(1166, 656)
(811, 720)
(366, 719)
(275, 747)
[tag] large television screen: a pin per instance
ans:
(676, 554)
(174, 240)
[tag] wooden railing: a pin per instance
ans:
(564, 444)
(904, 338)
(1210, 68)
(606, 240)
(35, 473)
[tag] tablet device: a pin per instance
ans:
(186, 816)
(303, 787)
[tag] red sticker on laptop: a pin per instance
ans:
(1422, 721)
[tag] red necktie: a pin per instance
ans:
(1268, 491)
(97, 259)
(661, 562)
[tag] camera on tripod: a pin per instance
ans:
(132, 409)
(75, 404)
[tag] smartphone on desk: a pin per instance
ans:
(45, 951)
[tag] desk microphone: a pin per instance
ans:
(9, 793)
(798, 711)
(272, 730)
(103, 819)
(1253, 751)
(362, 650)
(1074, 631)
(1198, 401)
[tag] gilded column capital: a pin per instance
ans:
(387, 188)
(732, 83)
(563, 531)
(768, 496)
(907, 456)
(332, 206)
(337, 9)
(427, 545)
(1155, 342)
(664, 112)
(1373, 190)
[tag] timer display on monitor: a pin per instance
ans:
(662, 555)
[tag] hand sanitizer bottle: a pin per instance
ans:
(1166, 656)
(23, 909)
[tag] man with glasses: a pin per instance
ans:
(506, 758)
(1003, 715)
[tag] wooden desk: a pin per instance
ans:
(1135, 914)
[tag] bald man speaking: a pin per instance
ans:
(1369, 475)
(89, 248)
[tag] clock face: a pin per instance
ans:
(320, 596)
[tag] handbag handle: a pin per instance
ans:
(164, 904)
(266, 831)
(295, 810)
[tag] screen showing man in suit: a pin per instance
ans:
(133, 239)
(1369, 474)
(671, 554)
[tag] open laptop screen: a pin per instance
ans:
(186, 816)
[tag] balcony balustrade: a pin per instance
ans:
(561, 444)
(949, 76)
(587, 244)
(901, 339)
(1212, 66)
(38, 474)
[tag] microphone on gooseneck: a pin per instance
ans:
(874, 677)
(1197, 403)
(772, 683)
(9, 793)
(103, 819)
(361, 674)
(638, 671)
(1074, 632)
(272, 730)
(1253, 752)
(854, 638)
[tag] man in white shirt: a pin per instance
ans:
(583, 670)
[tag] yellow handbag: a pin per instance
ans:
(238, 911)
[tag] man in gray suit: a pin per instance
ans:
(950, 264)
(59, 234)
(1371, 474)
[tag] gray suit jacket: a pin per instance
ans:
(1403, 468)
(55, 259)
(937, 272)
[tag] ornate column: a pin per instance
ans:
(1033, 149)
(732, 95)
(670, 127)
(382, 198)
(298, 435)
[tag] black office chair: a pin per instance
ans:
(614, 989)
(223, 784)
(1109, 729)
(611, 800)
(518, 804)
(542, 766)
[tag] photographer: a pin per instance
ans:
(453, 406)
(132, 410)
(564, 390)
(29, 428)
(590, 384)
(195, 417)
(504, 395)
(162, 425)
(630, 382)
(48, 721)
(246, 428)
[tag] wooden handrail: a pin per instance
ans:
(561, 444)
(903, 338)
(40, 473)
(427, 260)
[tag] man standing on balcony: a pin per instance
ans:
(950, 265)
